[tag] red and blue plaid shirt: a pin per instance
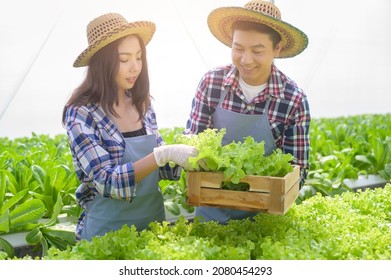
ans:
(289, 114)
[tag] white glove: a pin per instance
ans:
(177, 153)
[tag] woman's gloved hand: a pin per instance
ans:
(177, 153)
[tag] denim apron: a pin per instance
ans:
(107, 214)
(238, 126)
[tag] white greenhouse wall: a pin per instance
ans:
(344, 71)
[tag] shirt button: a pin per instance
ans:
(250, 107)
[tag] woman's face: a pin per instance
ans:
(130, 63)
(253, 54)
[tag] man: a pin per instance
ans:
(251, 96)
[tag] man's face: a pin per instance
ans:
(252, 54)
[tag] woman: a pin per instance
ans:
(113, 134)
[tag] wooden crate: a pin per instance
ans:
(274, 195)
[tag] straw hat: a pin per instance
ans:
(109, 27)
(220, 22)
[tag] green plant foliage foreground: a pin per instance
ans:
(351, 226)
(37, 185)
(35, 174)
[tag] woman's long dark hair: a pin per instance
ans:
(99, 85)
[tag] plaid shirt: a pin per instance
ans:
(289, 114)
(97, 148)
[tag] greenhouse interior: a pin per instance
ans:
(341, 212)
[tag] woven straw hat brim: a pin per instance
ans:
(220, 22)
(144, 29)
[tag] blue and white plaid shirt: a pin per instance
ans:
(97, 148)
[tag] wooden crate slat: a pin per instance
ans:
(291, 196)
(292, 178)
(234, 199)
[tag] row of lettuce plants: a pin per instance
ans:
(347, 147)
(350, 226)
(37, 186)
(37, 181)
